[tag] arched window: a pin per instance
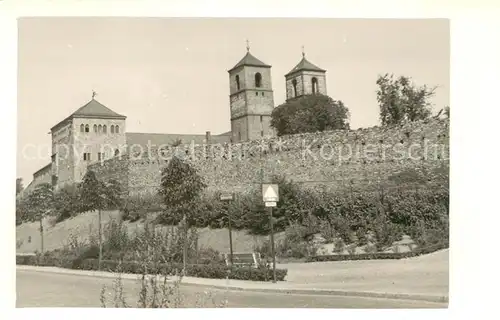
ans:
(314, 85)
(237, 82)
(99, 128)
(112, 129)
(117, 129)
(258, 80)
(95, 128)
(87, 129)
(82, 128)
(104, 129)
(294, 84)
(117, 152)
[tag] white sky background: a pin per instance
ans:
(170, 75)
(475, 79)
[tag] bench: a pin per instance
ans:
(243, 259)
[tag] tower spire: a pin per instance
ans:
(248, 46)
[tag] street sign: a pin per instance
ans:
(270, 193)
(270, 204)
(226, 196)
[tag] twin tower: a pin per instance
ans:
(251, 94)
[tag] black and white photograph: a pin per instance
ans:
(169, 162)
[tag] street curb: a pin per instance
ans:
(291, 291)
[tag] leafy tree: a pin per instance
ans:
(400, 100)
(93, 198)
(39, 204)
(67, 202)
(310, 113)
(19, 185)
(180, 189)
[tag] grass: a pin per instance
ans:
(84, 225)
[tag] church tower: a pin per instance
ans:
(304, 79)
(251, 99)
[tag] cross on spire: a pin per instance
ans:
(248, 46)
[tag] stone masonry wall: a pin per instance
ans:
(329, 159)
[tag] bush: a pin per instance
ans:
(379, 255)
(212, 271)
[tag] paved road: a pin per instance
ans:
(40, 289)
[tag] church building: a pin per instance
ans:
(96, 133)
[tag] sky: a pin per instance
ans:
(169, 75)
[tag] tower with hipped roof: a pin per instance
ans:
(251, 99)
(91, 133)
(304, 79)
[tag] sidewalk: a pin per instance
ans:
(339, 288)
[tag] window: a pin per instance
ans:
(86, 156)
(100, 156)
(262, 93)
(87, 129)
(112, 129)
(82, 128)
(99, 128)
(117, 129)
(256, 93)
(258, 80)
(314, 85)
(104, 129)
(261, 117)
(294, 84)
(95, 128)
(117, 152)
(261, 133)
(239, 136)
(237, 82)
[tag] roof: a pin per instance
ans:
(158, 139)
(93, 109)
(305, 65)
(250, 60)
(43, 169)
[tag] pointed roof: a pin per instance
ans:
(250, 60)
(93, 109)
(305, 65)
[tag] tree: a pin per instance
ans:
(67, 202)
(93, 198)
(19, 185)
(39, 204)
(180, 188)
(310, 113)
(401, 101)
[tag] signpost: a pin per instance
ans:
(229, 197)
(270, 195)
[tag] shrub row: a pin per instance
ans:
(379, 255)
(212, 271)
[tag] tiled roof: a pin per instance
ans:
(158, 139)
(305, 65)
(250, 60)
(93, 109)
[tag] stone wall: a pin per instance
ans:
(116, 168)
(329, 159)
